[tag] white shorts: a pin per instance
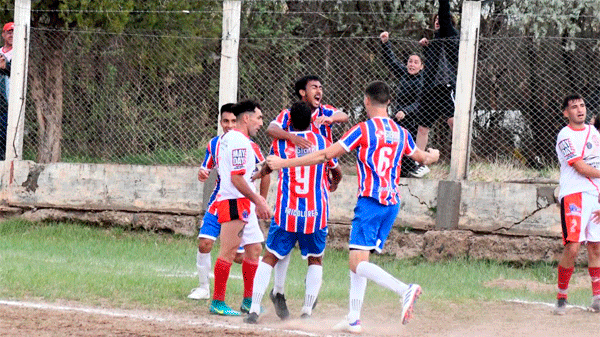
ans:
(252, 232)
(211, 229)
(576, 217)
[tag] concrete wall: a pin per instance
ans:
(170, 198)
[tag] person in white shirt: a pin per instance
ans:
(578, 151)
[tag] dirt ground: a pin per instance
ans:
(469, 319)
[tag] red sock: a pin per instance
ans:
(564, 276)
(595, 275)
(222, 268)
(248, 270)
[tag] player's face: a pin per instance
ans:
(255, 122)
(575, 112)
(313, 93)
(414, 64)
(227, 121)
(8, 37)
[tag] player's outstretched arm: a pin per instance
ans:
(426, 157)
(335, 150)
(586, 169)
(277, 132)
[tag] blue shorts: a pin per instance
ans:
(281, 242)
(371, 224)
(211, 228)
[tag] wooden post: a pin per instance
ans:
(465, 90)
(228, 78)
(18, 81)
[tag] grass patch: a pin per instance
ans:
(117, 268)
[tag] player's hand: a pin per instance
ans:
(324, 120)
(385, 36)
(400, 115)
(263, 170)
(203, 174)
(434, 155)
(262, 209)
(424, 42)
(333, 186)
(274, 162)
(596, 217)
(299, 142)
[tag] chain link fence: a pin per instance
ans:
(153, 98)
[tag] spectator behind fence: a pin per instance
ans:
(408, 91)
(5, 62)
(578, 151)
(439, 77)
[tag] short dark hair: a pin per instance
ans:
(379, 92)
(227, 108)
(244, 106)
(301, 83)
(568, 99)
(301, 114)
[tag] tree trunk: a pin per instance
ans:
(47, 94)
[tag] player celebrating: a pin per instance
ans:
(252, 238)
(578, 150)
(236, 164)
(301, 213)
(380, 145)
(310, 90)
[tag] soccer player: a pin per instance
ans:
(380, 144)
(578, 150)
(251, 240)
(233, 204)
(310, 90)
(301, 213)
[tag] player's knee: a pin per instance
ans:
(239, 258)
(205, 245)
(252, 251)
(315, 260)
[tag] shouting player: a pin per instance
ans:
(301, 212)
(310, 90)
(578, 150)
(380, 144)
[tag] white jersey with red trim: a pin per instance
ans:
(574, 145)
(236, 155)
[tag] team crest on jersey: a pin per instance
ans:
(238, 157)
(566, 148)
(574, 210)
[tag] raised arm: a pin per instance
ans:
(389, 58)
(445, 19)
(275, 131)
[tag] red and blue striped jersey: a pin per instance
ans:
(380, 145)
(283, 121)
(210, 162)
(302, 203)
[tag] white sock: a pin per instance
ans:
(203, 267)
(261, 282)
(358, 285)
(375, 273)
(314, 279)
(280, 273)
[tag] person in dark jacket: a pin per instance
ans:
(408, 91)
(439, 76)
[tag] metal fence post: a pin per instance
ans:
(18, 81)
(465, 90)
(228, 78)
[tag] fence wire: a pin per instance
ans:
(153, 99)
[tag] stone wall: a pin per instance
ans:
(499, 221)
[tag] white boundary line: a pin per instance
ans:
(147, 317)
(551, 305)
